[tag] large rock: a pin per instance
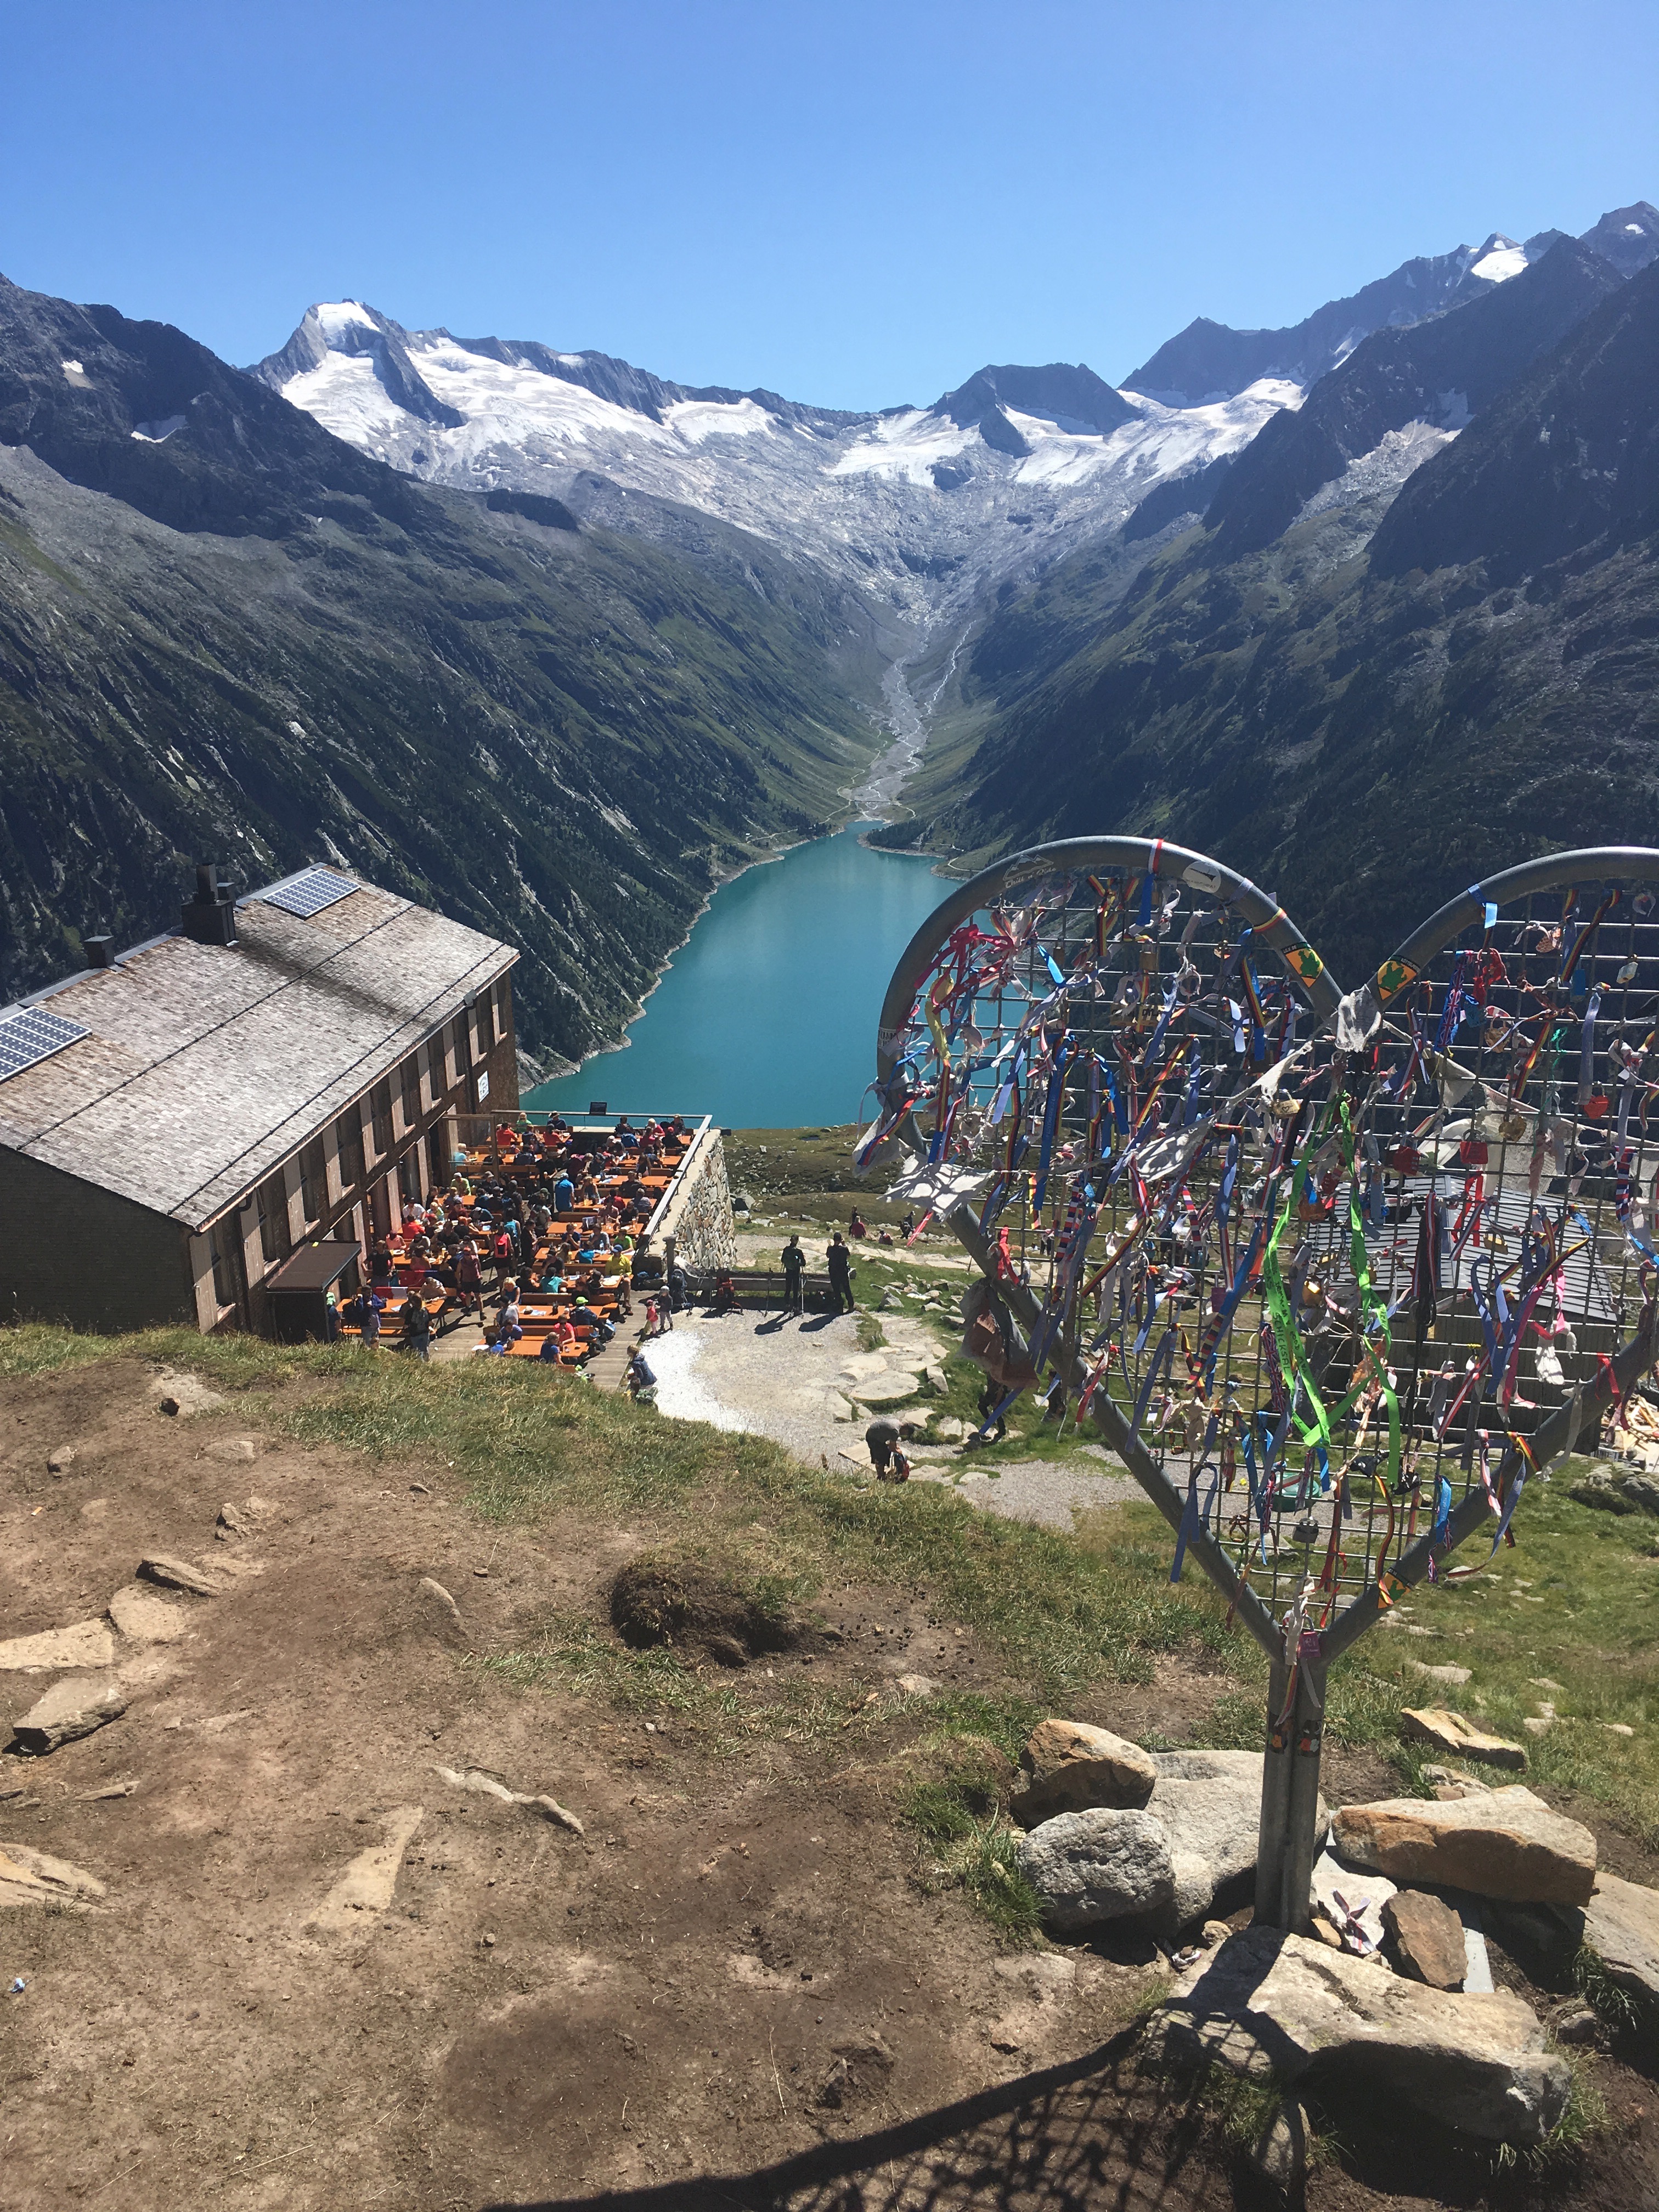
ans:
(1504, 1844)
(179, 1575)
(1210, 1805)
(144, 1617)
(1069, 1767)
(1348, 1896)
(31, 1877)
(1450, 1731)
(1427, 1937)
(1272, 2005)
(87, 1644)
(1090, 1868)
(366, 1887)
(1621, 1926)
(70, 1709)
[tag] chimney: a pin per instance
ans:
(210, 917)
(99, 949)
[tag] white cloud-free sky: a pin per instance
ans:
(854, 203)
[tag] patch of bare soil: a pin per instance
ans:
(332, 1964)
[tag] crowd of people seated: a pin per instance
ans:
(540, 1235)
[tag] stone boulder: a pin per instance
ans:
(1621, 1926)
(1210, 1805)
(74, 1707)
(143, 1617)
(1427, 1937)
(1350, 1898)
(1609, 1493)
(1502, 1844)
(1069, 1767)
(1449, 1732)
(87, 1644)
(1275, 2006)
(1090, 1867)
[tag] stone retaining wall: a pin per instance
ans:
(698, 1229)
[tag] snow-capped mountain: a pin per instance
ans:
(930, 510)
(925, 507)
(1207, 361)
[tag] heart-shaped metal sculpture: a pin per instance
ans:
(1334, 1276)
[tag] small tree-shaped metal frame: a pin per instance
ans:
(1333, 1277)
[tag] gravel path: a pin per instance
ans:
(786, 1379)
(761, 1247)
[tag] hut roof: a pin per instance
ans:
(202, 1066)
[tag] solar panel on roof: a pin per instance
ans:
(33, 1035)
(310, 893)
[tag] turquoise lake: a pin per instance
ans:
(767, 1017)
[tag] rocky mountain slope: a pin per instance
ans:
(939, 513)
(927, 509)
(1401, 689)
(225, 633)
(1208, 362)
(553, 641)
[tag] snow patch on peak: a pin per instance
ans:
(696, 420)
(335, 318)
(1499, 264)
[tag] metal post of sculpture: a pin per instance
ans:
(1334, 1277)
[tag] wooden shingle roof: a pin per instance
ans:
(204, 1066)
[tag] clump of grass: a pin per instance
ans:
(1583, 2116)
(37, 1348)
(1609, 1999)
(871, 1334)
(964, 1839)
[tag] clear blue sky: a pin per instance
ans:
(853, 204)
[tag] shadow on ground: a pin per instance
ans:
(1094, 2133)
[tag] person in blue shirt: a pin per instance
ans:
(564, 1194)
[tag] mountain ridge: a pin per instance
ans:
(225, 634)
(1393, 696)
(1208, 360)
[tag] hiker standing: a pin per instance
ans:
(469, 1278)
(794, 1276)
(417, 1326)
(839, 1261)
(990, 1398)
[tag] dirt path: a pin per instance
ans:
(732, 1941)
(317, 1971)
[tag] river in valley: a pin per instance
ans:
(766, 1018)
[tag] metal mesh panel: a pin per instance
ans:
(1327, 1291)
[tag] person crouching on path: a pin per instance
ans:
(883, 1435)
(794, 1276)
(839, 1262)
